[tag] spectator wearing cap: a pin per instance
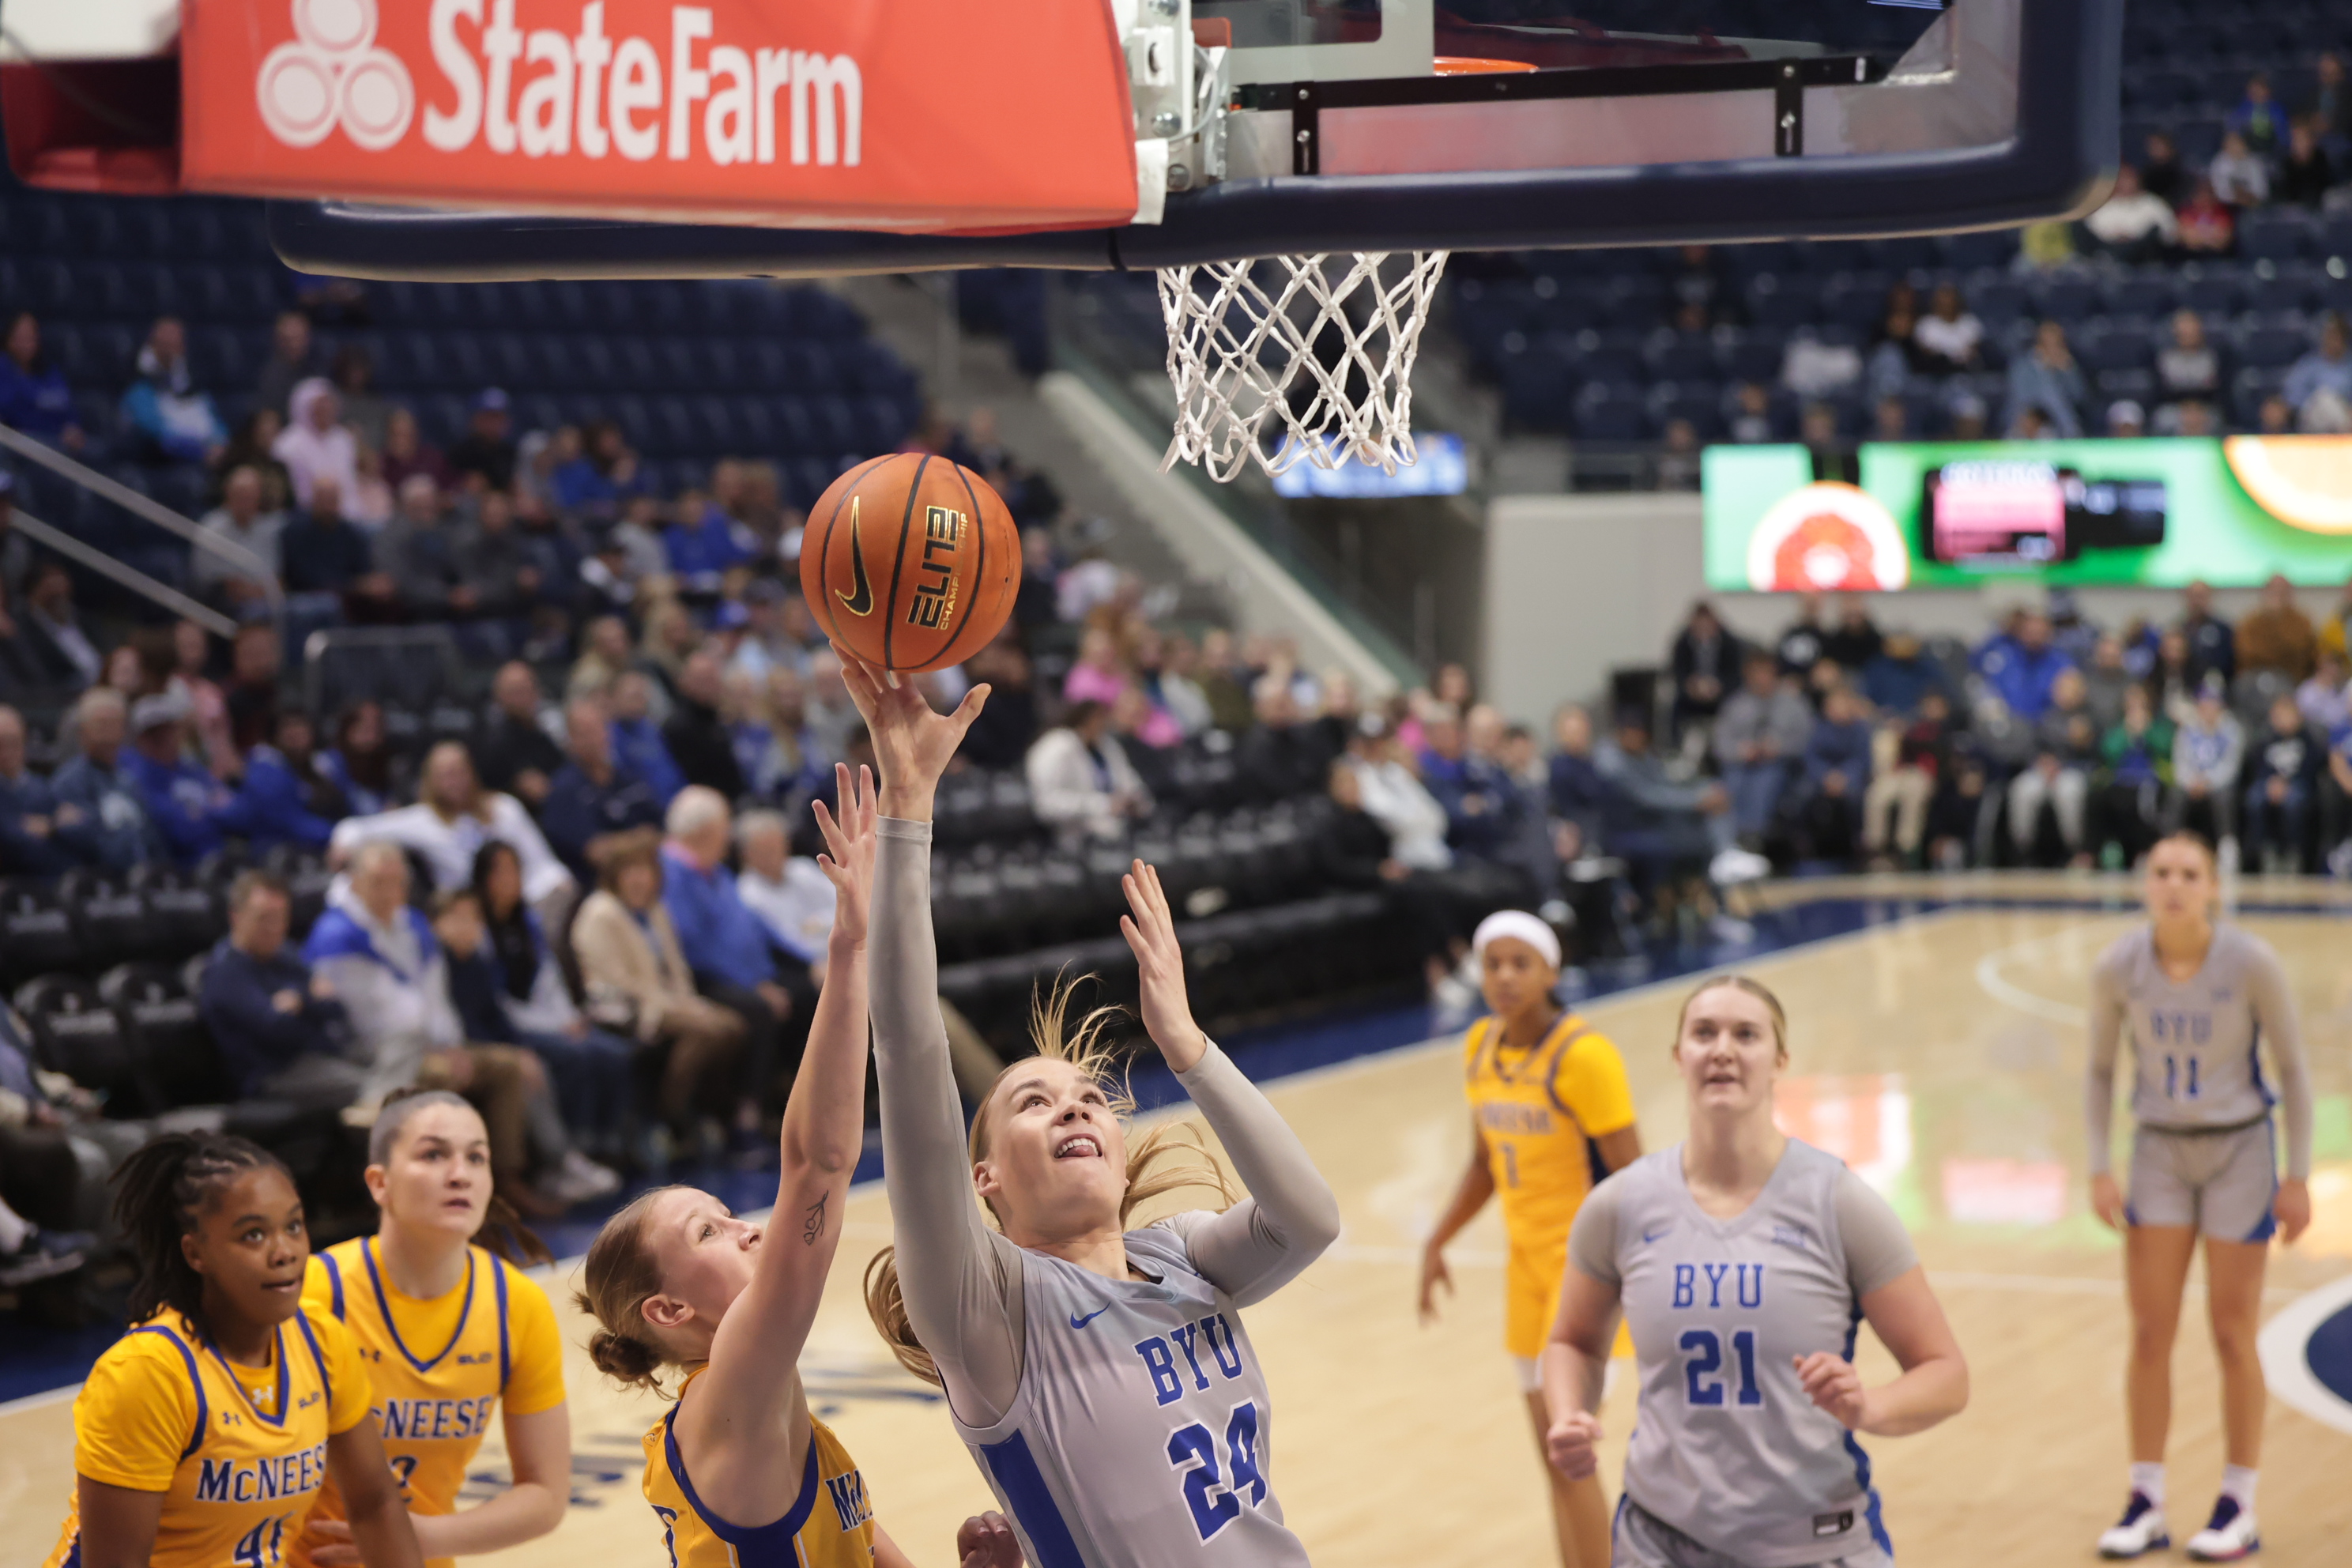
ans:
(2277, 635)
(236, 584)
(2208, 749)
(516, 752)
(484, 458)
(703, 549)
(175, 421)
(34, 396)
(314, 445)
(2134, 224)
(2326, 367)
(51, 644)
(187, 804)
(293, 359)
(454, 817)
(112, 829)
(282, 1033)
(30, 815)
(2126, 420)
(593, 796)
(1081, 783)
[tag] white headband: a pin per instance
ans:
(1520, 924)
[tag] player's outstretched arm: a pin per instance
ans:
(961, 1280)
(1909, 1319)
(1291, 1216)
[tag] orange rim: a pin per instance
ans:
(1468, 64)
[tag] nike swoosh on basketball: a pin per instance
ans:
(1078, 1322)
(860, 602)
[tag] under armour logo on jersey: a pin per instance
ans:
(1078, 1322)
(332, 73)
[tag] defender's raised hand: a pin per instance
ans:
(912, 744)
(848, 861)
(1150, 931)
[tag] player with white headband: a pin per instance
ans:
(1551, 1115)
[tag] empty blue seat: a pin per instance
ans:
(1606, 413)
(1696, 401)
(464, 364)
(837, 425)
(1856, 298)
(795, 425)
(633, 358)
(2214, 290)
(677, 364)
(2276, 234)
(2267, 342)
(2114, 345)
(1782, 300)
(597, 369)
(674, 430)
(1680, 356)
(1982, 247)
(880, 426)
(629, 412)
(755, 422)
(2146, 293)
(2067, 298)
(537, 411)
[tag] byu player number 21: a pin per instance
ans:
(1745, 1262)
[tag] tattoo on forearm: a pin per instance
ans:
(813, 1225)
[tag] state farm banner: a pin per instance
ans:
(885, 114)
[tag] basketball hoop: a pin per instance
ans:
(1243, 359)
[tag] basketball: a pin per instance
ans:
(911, 561)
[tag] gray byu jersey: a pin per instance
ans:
(1727, 1447)
(1141, 1430)
(2195, 1043)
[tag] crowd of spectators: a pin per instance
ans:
(2054, 741)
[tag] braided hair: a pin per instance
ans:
(159, 1193)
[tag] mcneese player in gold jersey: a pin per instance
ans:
(453, 1334)
(202, 1437)
(739, 1472)
(1550, 1114)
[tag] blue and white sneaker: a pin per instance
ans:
(2229, 1535)
(2140, 1530)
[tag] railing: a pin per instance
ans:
(152, 510)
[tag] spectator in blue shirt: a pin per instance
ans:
(175, 421)
(285, 798)
(111, 828)
(1901, 675)
(185, 802)
(2023, 667)
(593, 796)
(637, 739)
(1579, 796)
(34, 396)
(1837, 774)
(2259, 119)
(30, 813)
(279, 1029)
(2049, 380)
(2326, 368)
(702, 550)
(735, 961)
(1475, 795)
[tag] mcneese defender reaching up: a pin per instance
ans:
(1100, 1375)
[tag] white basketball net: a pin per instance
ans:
(1244, 358)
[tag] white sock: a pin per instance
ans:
(14, 1228)
(2148, 1481)
(2238, 1482)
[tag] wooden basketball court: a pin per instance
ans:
(1938, 1052)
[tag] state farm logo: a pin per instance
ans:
(332, 75)
(590, 85)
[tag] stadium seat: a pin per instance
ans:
(36, 934)
(2277, 233)
(2266, 340)
(111, 920)
(76, 1034)
(2212, 291)
(171, 1052)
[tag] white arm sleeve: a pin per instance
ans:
(961, 1280)
(1267, 1239)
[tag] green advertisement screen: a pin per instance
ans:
(2159, 513)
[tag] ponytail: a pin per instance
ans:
(504, 1235)
(160, 1192)
(1165, 1158)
